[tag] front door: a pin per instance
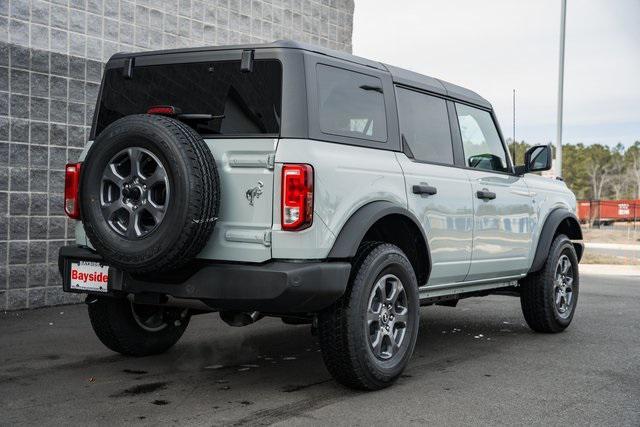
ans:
(503, 206)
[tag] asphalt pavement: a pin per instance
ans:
(474, 364)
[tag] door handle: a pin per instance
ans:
(424, 189)
(485, 194)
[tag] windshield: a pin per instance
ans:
(237, 103)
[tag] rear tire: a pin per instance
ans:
(134, 329)
(548, 304)
(357, 333)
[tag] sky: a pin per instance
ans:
(493, 47)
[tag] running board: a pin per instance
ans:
(428, 295)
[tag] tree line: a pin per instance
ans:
(596, 171)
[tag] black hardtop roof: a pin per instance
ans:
(399, 75)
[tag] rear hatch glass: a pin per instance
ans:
(240, 103)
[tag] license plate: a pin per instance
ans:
(88, 276)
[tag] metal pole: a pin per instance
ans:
(563, 20)
(635, 218)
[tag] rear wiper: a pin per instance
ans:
(198, 117)
(171, 111)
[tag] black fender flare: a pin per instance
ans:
(548, 232)
(354, 230)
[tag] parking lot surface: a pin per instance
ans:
(477, 363)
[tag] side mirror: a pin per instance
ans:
(536, 159)
(486, 161)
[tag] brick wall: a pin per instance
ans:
(51, 62)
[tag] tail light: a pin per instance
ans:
(297, 197)
(163, 110)
(71, 184)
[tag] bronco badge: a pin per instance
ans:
(254, 193)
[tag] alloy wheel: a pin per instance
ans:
(134, 192)
(563, 286)
(387, 316)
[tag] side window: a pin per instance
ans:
(424, 124)
(351, 104)
(480, 140)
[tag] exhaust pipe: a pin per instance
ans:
(240, 318)
(169, 301)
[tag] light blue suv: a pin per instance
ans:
(293, 181)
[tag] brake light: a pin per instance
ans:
(164, 110)
(297, 197)
(71, 185)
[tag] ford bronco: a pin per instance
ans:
(293, 181)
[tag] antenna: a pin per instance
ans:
(513, 141)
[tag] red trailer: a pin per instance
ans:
(604, 211)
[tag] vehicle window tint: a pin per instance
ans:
(351, 104)
(424, 124)
(483, 148)
(246, 104)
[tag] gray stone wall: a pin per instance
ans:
(51, 62)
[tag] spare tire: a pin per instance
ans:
(149, 194)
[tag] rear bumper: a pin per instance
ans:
(278, 287)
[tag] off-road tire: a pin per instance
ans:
(113, 322)
(537, 290)
(192, 209)
(341, 332)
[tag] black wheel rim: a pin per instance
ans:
(387, 317)
(134, 193)
(563, 287)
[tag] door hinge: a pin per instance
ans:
(249, 236)
(266, 239)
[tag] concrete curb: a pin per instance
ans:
(610, 270)
(620, 246)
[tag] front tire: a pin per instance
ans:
(549, 297)
(367, 337)
(135, 329)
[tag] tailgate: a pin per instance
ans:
(243, 229)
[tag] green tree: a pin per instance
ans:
(574, 170)
(619, 177)
(599, 168)
(632, 162)
(594, 171)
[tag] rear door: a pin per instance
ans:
(503, 205)
(437, 193)
(239, 119)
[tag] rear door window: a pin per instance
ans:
(241, 103)
(424, 124)
(351, 104)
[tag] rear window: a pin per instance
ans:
(351, 104)
(242, 103)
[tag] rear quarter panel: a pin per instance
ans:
(345, 179)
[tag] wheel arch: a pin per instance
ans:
(387, 222)
(559, 221)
